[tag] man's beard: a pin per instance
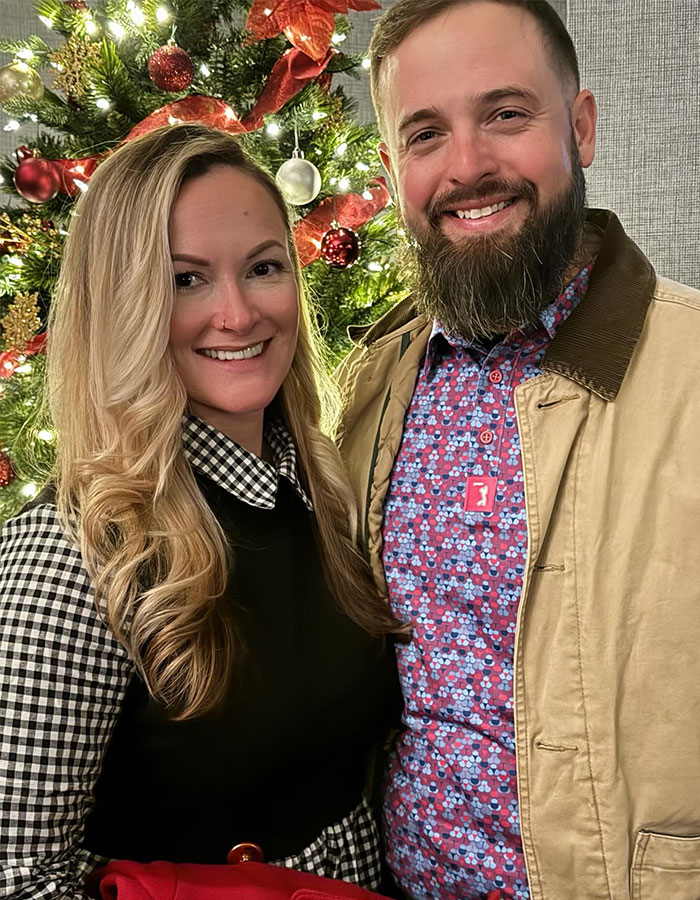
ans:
(493, 283)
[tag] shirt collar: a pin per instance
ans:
(551, 318)
(238, 471)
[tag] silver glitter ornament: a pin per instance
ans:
(298, 179)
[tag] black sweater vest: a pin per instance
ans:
(287, 754)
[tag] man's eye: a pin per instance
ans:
(422, 137)
(507, 115)
(186, 280)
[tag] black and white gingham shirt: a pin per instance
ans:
(63, 677)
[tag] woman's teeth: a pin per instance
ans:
(246, 353)
(481, 213)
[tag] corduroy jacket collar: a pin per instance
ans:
(595, 344)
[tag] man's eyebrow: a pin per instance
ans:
(508, 92)
(420, 115)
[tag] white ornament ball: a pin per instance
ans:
(299, 180)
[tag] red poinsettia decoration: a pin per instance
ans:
(308, 24)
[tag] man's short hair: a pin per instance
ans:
(406, 15)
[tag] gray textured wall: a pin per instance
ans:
(641, 58)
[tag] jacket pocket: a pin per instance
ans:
(665, 867)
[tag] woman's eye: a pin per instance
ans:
(266, 268)
(184, 280)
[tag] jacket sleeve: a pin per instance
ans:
(62, 682)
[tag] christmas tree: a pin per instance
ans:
(115, 69)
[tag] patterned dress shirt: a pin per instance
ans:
(455, 548)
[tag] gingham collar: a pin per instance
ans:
(238, 471)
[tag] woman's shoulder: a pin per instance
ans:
(43, 579)
(34, 541)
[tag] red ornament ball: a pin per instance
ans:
(7, 472)
(170, 68)
(37, 180)
(340, 247)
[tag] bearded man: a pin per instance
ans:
(523, 433)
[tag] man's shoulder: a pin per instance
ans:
(668, 291)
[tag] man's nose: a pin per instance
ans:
(471, 158)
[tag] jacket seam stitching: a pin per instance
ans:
(676, 301)
(373, 465)
(580, 668)
(533, 524)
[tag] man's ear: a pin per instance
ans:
(584, 114)
(385, 157)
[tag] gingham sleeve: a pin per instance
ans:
(62, 681)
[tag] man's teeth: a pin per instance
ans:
(255, 350)
(485, 211)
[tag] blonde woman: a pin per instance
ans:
(192, 649)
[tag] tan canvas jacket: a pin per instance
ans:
(607, 659)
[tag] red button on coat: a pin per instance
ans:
(486, 436)
(495, 376)
(244, 853)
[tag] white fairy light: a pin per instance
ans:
(102, 103)
(81, 185)
(204, 69)
(366, 63)
(361, 166)
(344, 183)
(367, 195)
(273, 129)
(29, 489)
(341, 148)
(375, 267)
(16, 261)
(162, 14)
(338, 38)
(90, 25)
(47, 21)
(25, 54)
(317, 115)
(45, 435)
(137, 15)
(24, 369)
(12, 125)
(117, 30)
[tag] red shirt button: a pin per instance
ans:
(244, 853)
(495, 376)
(486, 436)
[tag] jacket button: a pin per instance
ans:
(244, 853)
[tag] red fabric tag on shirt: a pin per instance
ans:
(480, 494)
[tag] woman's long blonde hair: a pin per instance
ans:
(158, 558)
